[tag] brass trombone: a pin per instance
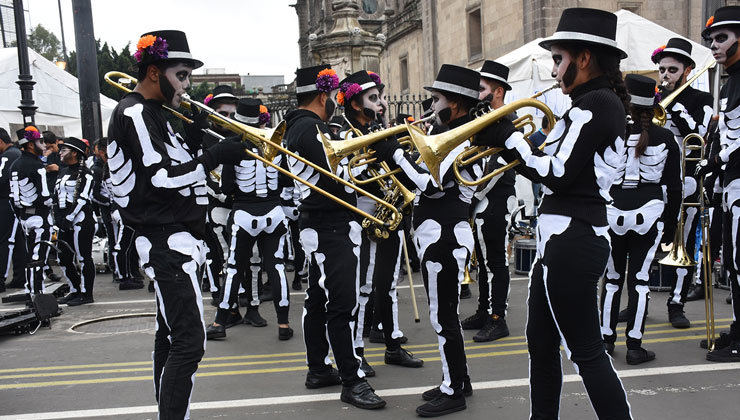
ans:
(660, 117)
(269, 143)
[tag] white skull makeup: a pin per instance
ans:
(670, 71)
(439, 104)
(724, 44)
(371, 103)
(562, 70)
(178, 78)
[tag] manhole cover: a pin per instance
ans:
(116, 324)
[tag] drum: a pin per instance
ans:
(525, 251)
(100, 254)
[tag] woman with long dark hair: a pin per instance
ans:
(577, 167)
(639, 218)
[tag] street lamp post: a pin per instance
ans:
(25, 80)
(87, 70)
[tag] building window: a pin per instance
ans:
(631, 6)
(475, 35)
(404, 73)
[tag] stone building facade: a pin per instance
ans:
(417, 36)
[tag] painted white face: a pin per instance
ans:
(561, 61)
(669, 72)
(178, 77)
(485, 88)
(723, 41)
(40, 146)
(226, 109)
(371, 100)
(439, 103)
(67, 155)
(383, 104)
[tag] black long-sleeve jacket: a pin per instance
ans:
(73, 190)
(10, 155)
(28, 185)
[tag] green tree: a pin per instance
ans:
(45, 43)
(108, 60)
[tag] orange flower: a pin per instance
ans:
(146, 41)
(324, 72)
(31, 128)
(710, 21)
(410, 119)
(656, 88)
(340, 98)
(263, 109)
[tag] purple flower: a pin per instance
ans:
(265, 118)
(375, 77)
(137, 56)
(158, 50)
(350, 90)
(327, 82)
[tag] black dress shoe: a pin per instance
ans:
(254, 318)
(329, 377)
(362, 395)
(215, 332)
(365, 366)
(130, 285)
(492, 330)
(722, 341)
(285, 333)
(677, 318)
(441, 405)
(68, 297)
(475, 321)
(696, 292)
(433, 393)
(637, 356)
(623, 316)
(80, 300)
(233, 319)
(609, 348)
(727, 354)
(402, 357)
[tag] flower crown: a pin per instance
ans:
(208, 98)
(375, 77)
(150, 46)
(264, 115)
(327, 80)
(31, 133)
(347, 91)
(656, 52)
(710, 21)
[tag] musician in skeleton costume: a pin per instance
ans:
(32, 200)
(223, 101)
(637, 217)
(289, 200)
(723, 30)
(256, 218)
(492, 206)
(380, 259)
(76, 223)
(689, 113)
(330, 235)
(160, 189)
(443, 238)
(577, 167)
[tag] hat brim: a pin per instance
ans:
(659, 56)
(438, 89)
(489, 76)
(193, 62)
(718, 25)
(223, 97)
(71, 146)
(549, 42)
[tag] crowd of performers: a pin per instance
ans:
(200, 211)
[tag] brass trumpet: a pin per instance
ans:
(660, 117)
(269, 143)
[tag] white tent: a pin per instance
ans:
(56, 94)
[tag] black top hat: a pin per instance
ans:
(23, 139)
(675, 46)
(166, 45)
(402, 118)
(355, 84)
(497, 72)
(455, 79)
(724, 16)
(248, 111)
(223, 93)
(336, 121)
(307, 80)
(76, 144)
(590, 26)
(641, 90)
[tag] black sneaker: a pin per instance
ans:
(80, 300)
(254, 318)
(433, 393)
(492, 330)
(402, 357)
(151, 287)
(677, 318)
(365, 366)
(441, 405)
(130, 285)
(297, 283)
(215, 332)
(329, 377)
(723, 341)
(623, 316)
(465, 293)
(637, 356)
(68, 297)
(609, 348)
(362, 395)
(285, 333)
(696, 292)
(234, 318)
(730, 353)
(475, 321)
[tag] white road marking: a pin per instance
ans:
(298, 399)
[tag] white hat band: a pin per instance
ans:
(579, 36)
(642, 100)
(246, 120)
(449, 87)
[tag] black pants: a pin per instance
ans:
(641, 251)
(378, 280)
(110, 233)
(298, 256)
(37, 230)
(491, 240)
(562, 310)
(79, 237)
(267, 232)
(125, 253)
(731, 250)
(444, 250)
(12, 243)
(332, 246)
(685, 275)
(174, 258)
(217, 238)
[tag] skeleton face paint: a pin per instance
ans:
(68, 155)
(441, 107)
(383, 107)
(174, 82)
(331, 105)
(670, 71)
(227, 110)
(564, 70)
(39, 146)
(371, 104)
(485, 88)
(724, 44)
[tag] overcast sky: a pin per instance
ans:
(242, 36)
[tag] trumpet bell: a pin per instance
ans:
(468, 279)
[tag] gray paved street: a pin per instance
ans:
(93, 373)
